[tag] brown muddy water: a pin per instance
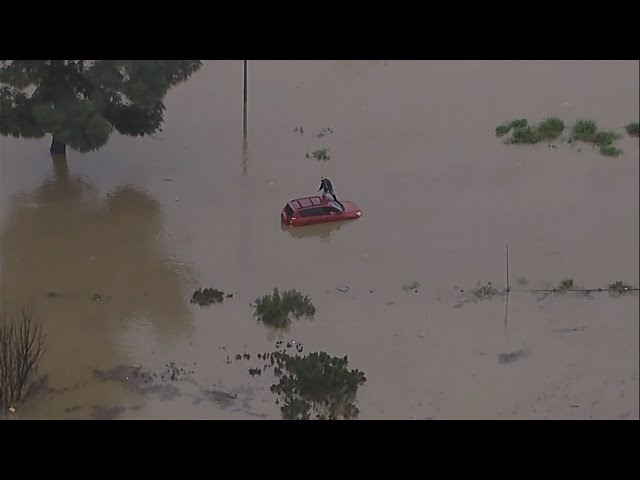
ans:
(108, 256)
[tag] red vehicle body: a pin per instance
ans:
(316, 209)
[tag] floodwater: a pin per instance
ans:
(108, 255)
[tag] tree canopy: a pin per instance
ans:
(81, 102)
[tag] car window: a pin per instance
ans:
(314, 212)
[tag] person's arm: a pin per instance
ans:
(321, 183)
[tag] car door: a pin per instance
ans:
(310, 216)
(332, 214)
(325, 214)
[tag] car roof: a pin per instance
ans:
(306, 202)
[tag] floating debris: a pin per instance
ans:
(324, 132)
(407, 287)
(507, 358)
(103, 413)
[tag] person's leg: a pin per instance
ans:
(334, 196)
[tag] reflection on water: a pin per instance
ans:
(323, 231)
(245, 156)
(92, 269)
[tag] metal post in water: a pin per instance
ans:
(245, 143)
(244, 108)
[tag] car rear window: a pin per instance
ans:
(288, 210)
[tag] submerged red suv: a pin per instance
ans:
(314, 210)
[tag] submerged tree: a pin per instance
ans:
(22, 345)
(81, 102)
(316, 386)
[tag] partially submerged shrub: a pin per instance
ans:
(525, 135)
(633, 129)
(276, 309)
(485, 291)
(620, 287)
(321, 154)
(502, 130)
(519, 123)
(605, 138)
(316, 386)
(565, 285)
(207, 296)
(550, 128)
(584, 130)
(610, 151)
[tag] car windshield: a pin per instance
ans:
(336, 205)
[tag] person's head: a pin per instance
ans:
(321, 178)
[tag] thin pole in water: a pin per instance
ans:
(245, 145)
(244, 109)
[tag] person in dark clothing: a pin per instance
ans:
(327, 188)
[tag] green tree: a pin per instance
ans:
(81, 102)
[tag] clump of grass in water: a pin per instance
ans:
(321, 154)
(584, 130)
(484, 291)
(610, 151)
(207, 296)
(276, 309)
(502, 130)
(519, 123)
(550, 129)
(633, 129)
(620, 288)
(316, 386)
(407, 287)
(566, 284)
(324, 132)
(522, 282)
(524, 134)
(605, 138)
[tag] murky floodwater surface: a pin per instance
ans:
(108, 254)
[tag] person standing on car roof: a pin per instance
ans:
(327, 188)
